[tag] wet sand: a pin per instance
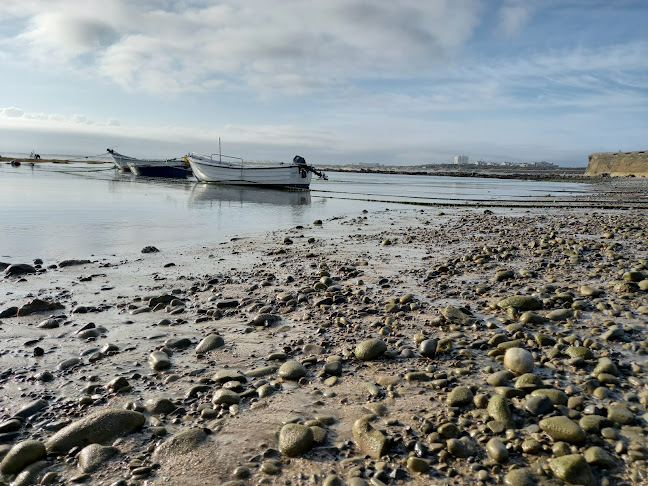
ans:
(395, 321)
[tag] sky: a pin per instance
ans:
(336, 81)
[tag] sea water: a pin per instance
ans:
(58, 211)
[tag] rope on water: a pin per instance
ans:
(86, 157)
(73, 171)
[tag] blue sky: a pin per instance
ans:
(337, 81)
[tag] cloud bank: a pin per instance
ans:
(272, 45)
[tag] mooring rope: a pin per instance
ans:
(86, 157)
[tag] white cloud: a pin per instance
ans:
(513, 16)
(81, 119)
(40, 120)
(12, 112)
(295, 47)
(59, 35)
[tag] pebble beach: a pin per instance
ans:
(452, 346)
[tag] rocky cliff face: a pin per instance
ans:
(618, 164)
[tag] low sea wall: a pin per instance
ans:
(618, 164)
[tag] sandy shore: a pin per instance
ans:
(372, 349)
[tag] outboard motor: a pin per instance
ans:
(299, 160)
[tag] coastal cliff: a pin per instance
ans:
(618, 164)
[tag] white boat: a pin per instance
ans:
(214, 169)
(176, 168)
(121, 161)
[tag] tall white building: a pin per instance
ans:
(460, 159)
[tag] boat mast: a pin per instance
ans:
(220, 157)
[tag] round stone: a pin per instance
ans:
(21, 455)
(528, 382)
(292, 370)
(572, 468)
(159, 405)
(209, 342)
(557, 397)
(499, 378)
(597, 456)
(428, 347)
(518, 360)
(418, 465)
(521, 302)
(497, 450)
(563, 429)
(619, 414)
(224, 396)
(520, 477)
(370, 349)
(499, 410)
(538, 404)
(460, 396)
(295, 439)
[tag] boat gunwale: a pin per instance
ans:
(225, 165)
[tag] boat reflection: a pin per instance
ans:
(207, 195)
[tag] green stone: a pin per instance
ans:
(520, 477)
(372, 442)
(292, 370)
(499, 378)
(497, 450)
(528, 381)
(498, 409)
(597, 456)
(370, 349)
(460, 396)
(530, 317)
(521, 302)
(563, 429)
(457, 315)
(579, 352)
(295, 439)
(444, 345)
(21, 455)
(417, 465)
(592, 424)
(588, 291)
(557, 397)
(560, 315)
(620, 414)
(572, 468)
(544, 340)
(515, 343)
(606, 365)
(634, 276)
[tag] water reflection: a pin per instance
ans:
(211, 195)
(73, 210)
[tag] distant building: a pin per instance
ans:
(461, 159)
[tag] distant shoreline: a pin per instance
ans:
(572, 174)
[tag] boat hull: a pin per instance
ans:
(158, 170)
(293, 176)
(121, 164)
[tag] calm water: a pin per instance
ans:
(56, 211)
